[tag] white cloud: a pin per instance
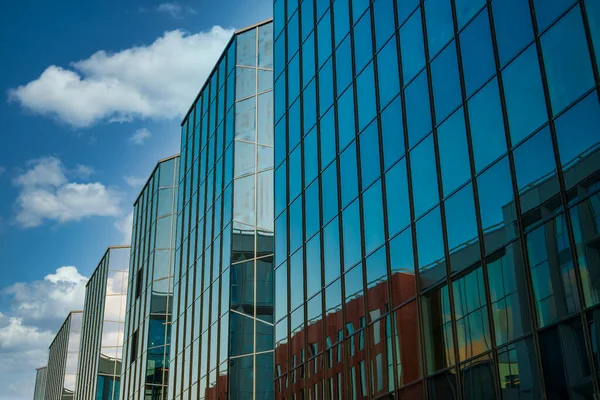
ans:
(175, 9)
(140, 136)
(135, 181)
(155, 81)
(47, 194)
(125, 226)
(37, 311)
(84, 171)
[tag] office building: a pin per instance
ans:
(61, 373)
(222, 332)
(99, 367)
(39, 392)
(150, 287)
(437, 206)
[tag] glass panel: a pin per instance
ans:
(585, 219)
(343, 64)
(245, 120)
(411, 45)
(518, 372)
(396, 188)
(408, 347)
(245, 159)
(466, 9)
(418, 110)
(440, 27)
(244, 200)
(324, 38)
(331, 242)
(352, 235)
(387, 72)
(246, 48)
(349, 174)
(593, 12)
(297, 277)
(392, 133)
(345, 112)
(245, 82)
(265, 119)
(311, 198)
(377, 288)
(402, 267)
(430, 249)
(446, 83)
(477, 51)
(326, 87)
(461, 227)
(370, 168)
(281, 292)
(264, 200)
(478, 379)
(363, 49)
(341, 15)
(373, 217)
(366, 98)
(383, 11)
(454, 152)
(547, 11)
(296, 224)
(437, 323)
(313, 266)
(329, 196)
(424, 176)
(241, 377)
(327, 137)
(514, 31)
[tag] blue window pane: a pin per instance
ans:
(322, 6)
(280, 195)
(446, 83)
(411, 46)
(293, 40)
(311, 166)
(281, 249)
(343, 63)
(365, 92)
(512, 22)
(524, 95)
(461, 227)
(363, 46)
(454, 152)
(313, 266)
(477, 53)
(418, 111)
(396, 188)
(331, 242)
(341, 16)
(351, 235)
(327, 133)
(326, 86)
(246, 49)
(293, 73)
(487, 126)
(330, 195)
(387, 73)
(279, 16)
(280, 94)
(297, 277)
(567, 60)
(369, 155)
(402, 263)
(308, 18)
(496, 204)
(292, 6)
(311, 198)
(383, 11)
(309, 102)
(593, 12)
(279, 54)
(392, 133)
(373, 217)
(296, 224)
(345, 112)
(294, 125)
(535, 168)
(430, 249)
(308, 59)
(548, 11)
(424, 176)
(466, 9)
(440, 28)
(349, 174)
(324, 38)
(295, 179)
(358, 8)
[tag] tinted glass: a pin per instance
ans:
(512, 21)
(430, 249)
(396, 186)
(446, 82)
(373, 217)
(392, 133)
(461, 227)
(387, 72)
(438, 330)
(440, 27)
(519, 377)
(411, 46)
(418, 112)
(424, 176)
(477, 52)
(370, 166)
(352, 235)
(454, 152)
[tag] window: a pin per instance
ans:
(440, 27)
(366, 99)
(402, 268)
(327, 137)
(466, 9)
(345, 112)
(324, 38)
(387, 72)
(373, 217)
(308, 19)
(396, 187)
(430, 249)
(369, 155)
(547, 11)
(293, 41)
(383, 11)
(139, 283)
(437, 320)
(412, 47)
(392, 133)
(512, 22)
(297, 277)
(331, 242)
(363, 46)
(311, 158)
(446, 83)
(134, 347)
(349, 174)
(461, 226)
(424, 176)
(326, 87)
(477, 51)
(341, 19)
(518, 371)
(309, 109)
(329, 196)
(418, 111)
(352, 235)
(454, 152)
(343, 64)
(313, 266)
(593, 11)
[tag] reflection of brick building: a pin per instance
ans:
(308, 344)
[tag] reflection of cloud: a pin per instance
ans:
(112, 334)
(115, 307)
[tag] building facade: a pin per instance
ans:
(437, 205)
(39, 393)
(222, 332)
(61, 374)
(99, 367)
(150, 286)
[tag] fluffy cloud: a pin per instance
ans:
(155, 81)
(175, 9)
(37, 310)
(140, 136)
(84, 171)
(47, 194)
(125, 226)
(135, 181)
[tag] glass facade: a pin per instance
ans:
(145, 371)
(99, 368)
(39, 392)
(437, 199)
(61, 374)
(222, 330)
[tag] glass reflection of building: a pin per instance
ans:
(222, 333)
(39, 392)
(63, 353)
(99, 368)
(437, 205)
(150, 294)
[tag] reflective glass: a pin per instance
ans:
(466, 9)
(265, 118)
(366, 98)
(512, 22)
(327, 136)
(424, 176)
(524, 95)
(245, 119)
(567, 60)
(392, 133)
(440, 27)
(246, 48)
(585, 220)
(487, 125)
(353, 285)
(547, 11)
(593, 13)
(383, 11)
(411, 46)
(326, 87)
(297, 277)
(349, 174)
(343, 64)
(446, 82)
(396, 188)
(437, 321)
(405, 9)
(293, 81)
(351, 235)
(324, 38)
(517, 368)
(295, 173)
(245, 82)
(281, 292)
(370, 167)
(345, 112)
(461, 227)
(454, 152)
(341, 19)
(265, 46)
(430, 249)
(311, 198)
(310, 153)
(478, 379)
(313, 266)
(387, 72)
(402, 266)
(293, 41)
(477, 51)
(307, 17)
(363, 47)
(418, 111)
(552, 272)
(329, 196)
(245, 159)
(295, 224)
(373, 217)
(308, 60)
(331, 258)
(309, 109)
(242, 287)
(377, 288)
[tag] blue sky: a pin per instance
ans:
(91, 96)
